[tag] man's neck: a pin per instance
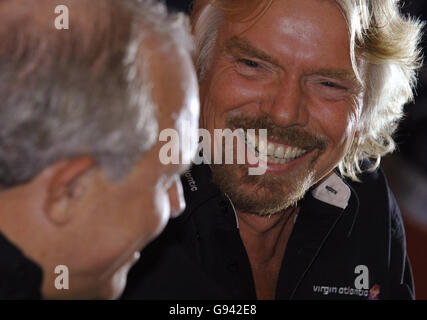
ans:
(265, 240)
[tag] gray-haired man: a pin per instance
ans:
(82, 186)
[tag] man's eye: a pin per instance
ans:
(249, 63)
(333, 85)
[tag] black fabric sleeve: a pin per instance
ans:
(20, 278)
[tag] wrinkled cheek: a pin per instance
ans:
(350, 131)
(343, 130)
(339, 144)
(218, 94)
(214, 107)
(207, 116)
(342, 148)
(345, 138)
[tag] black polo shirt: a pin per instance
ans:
(347, 243)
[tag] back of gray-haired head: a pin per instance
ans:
(81, 91)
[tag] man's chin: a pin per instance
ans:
(113, 285)
(114, 288)
(265, 204)
(264, 195)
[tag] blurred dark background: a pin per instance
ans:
(406, 169)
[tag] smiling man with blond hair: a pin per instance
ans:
(328, 80)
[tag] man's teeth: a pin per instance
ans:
(276, 153)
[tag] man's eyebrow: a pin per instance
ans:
(340, 74)
(238, 45)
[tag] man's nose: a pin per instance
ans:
(287, 104)
(176, 198)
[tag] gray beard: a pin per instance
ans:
(261, 195)
(268, 194)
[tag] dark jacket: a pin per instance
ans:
(20, 278)
(348, 242)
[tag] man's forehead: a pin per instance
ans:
(327, 20)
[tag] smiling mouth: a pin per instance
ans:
(275, 153)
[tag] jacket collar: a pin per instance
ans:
(333, 191)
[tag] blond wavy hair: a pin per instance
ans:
(380, 35)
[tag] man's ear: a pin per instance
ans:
(64, 188)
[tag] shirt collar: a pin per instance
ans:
(333, 191)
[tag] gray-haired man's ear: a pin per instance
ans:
(64, 188)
